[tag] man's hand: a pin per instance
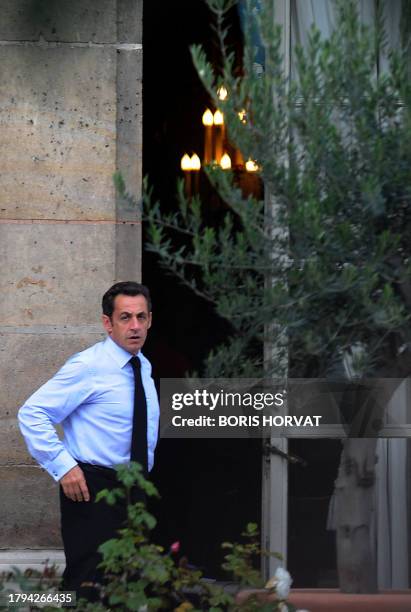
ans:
(74, 485)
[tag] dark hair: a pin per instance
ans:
(123, 288)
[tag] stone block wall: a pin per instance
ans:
(70, 116)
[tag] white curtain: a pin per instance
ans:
(391, 520)
(304, 13)
(392, 10)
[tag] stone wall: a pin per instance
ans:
(70, 115)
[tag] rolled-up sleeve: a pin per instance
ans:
(71, 386)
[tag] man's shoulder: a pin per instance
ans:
(89, 355)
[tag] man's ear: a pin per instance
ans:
(150, 319)
(107, 323)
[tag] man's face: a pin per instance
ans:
(129, 323)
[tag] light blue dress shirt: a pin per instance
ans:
(92, 396)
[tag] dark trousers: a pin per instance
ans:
(86, 525)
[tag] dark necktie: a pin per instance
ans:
(139, 436)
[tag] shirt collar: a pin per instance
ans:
(120, 355)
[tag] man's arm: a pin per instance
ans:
(49, 405)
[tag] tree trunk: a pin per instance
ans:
(354, 505)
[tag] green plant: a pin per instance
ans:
(142, 576)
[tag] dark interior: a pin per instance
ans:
(210, 489)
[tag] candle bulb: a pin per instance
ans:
(185, 163)
(225, 162)
(186, 167)
(251, 166)
(195, 162)
(222, 92)
(195, 171)
(208, 121)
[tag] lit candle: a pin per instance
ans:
(238, 158)
(222, 92)
(185, 163)
(195, 168)
(195, 162)
(225, 162)
(186, 167)
(251, 166)
(208, 121)
(219, 135)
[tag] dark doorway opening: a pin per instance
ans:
(210, 489)
(312, 559)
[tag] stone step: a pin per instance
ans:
(34, 559)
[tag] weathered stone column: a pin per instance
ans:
(70, 113)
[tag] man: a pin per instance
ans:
(106, 401)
